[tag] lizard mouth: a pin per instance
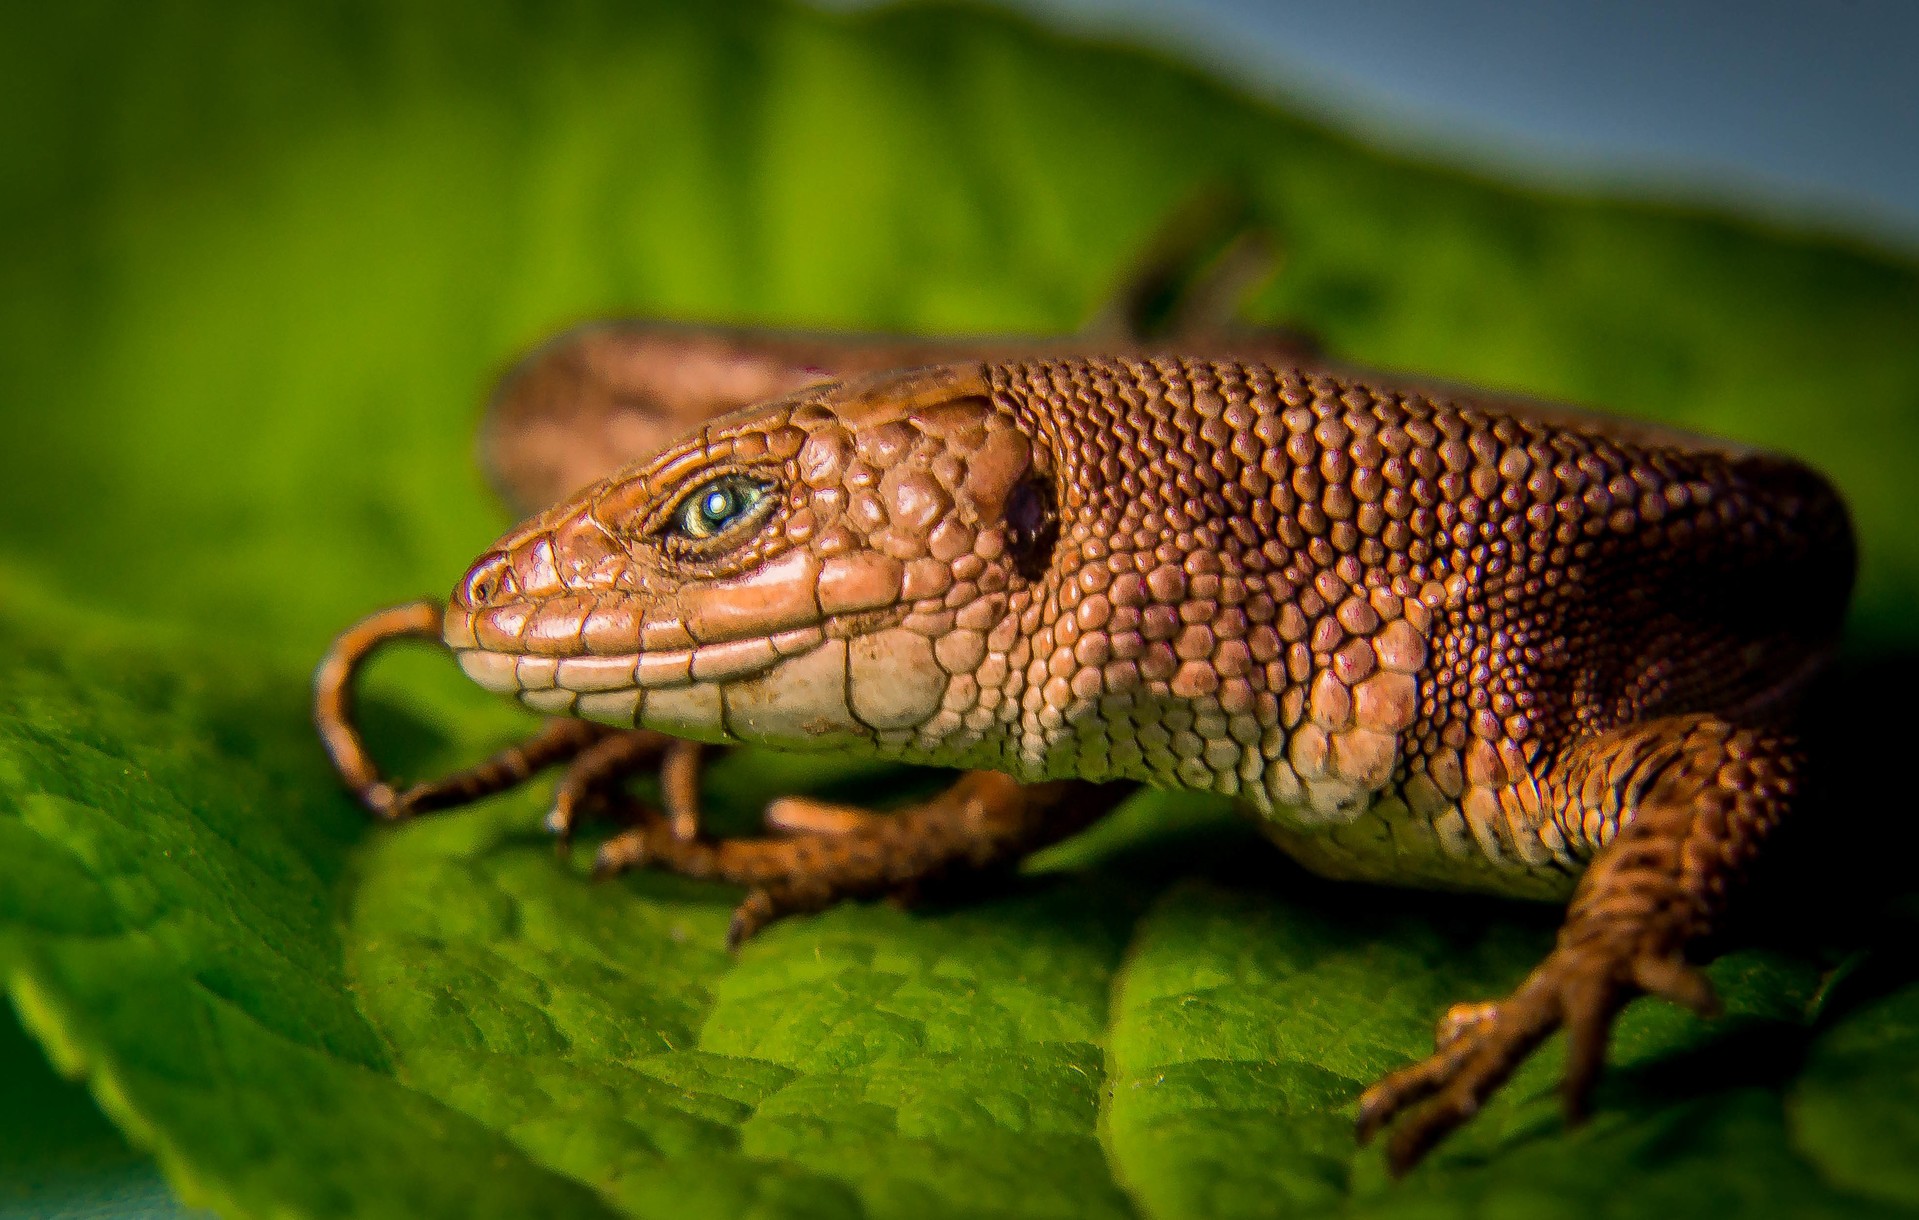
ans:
(541, 652)
(613, 687)
(795, 652)
(793, 688)
(803, 688)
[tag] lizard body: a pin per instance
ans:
(1426, 639)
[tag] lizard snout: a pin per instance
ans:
(493, 605)
(486, 582)
(539, 562)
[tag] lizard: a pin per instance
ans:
(1424, 640)
(1424, 637)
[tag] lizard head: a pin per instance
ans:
(830, 570)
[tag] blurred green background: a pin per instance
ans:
(260, 267)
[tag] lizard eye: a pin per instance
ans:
(719, 506)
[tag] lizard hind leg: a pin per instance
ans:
(984, 819)
(1691, 798)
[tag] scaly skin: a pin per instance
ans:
(1425, 641)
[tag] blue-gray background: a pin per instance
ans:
(1805, 110)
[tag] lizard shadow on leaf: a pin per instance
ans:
(1735, 1053)
(409, 743)
(1838, 884)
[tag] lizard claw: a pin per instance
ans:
(755, 911)
(1581, 988)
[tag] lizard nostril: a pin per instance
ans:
(490, 578)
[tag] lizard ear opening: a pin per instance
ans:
(1032, 525)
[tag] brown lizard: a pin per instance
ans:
(1423, 639)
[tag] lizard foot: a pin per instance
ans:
(1694, 797)
(1581, 987)
(833, 853)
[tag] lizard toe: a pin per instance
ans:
(755, 911)
(630, 849)
(1397, 1092)
(1671, 977)
(1462, 1019)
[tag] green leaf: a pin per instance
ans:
(55, 1147)
(1852, 1103)
(257, 269)
(170, 931)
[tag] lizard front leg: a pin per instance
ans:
(829, 852)
(984, 820)
(1681, 805)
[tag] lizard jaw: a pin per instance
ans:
(795, 689)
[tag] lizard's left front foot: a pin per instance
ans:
(1581, 986)
(598, 759)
